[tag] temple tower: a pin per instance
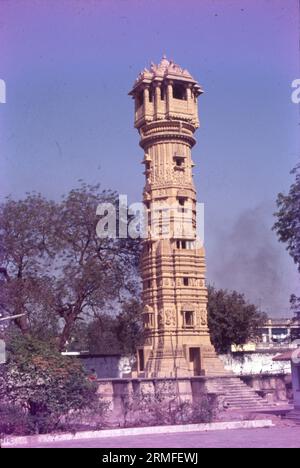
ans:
(173, 260)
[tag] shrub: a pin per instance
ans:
(13, 420)
(46, 384)
(163, 406)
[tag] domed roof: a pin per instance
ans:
(165, 69)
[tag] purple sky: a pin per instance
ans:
(68, 66)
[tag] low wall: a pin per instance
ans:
(275, 387)
(136, 401)
(240, 363)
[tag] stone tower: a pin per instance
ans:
(173, 262)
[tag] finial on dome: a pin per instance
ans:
(164, 61)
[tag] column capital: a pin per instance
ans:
(157, 84)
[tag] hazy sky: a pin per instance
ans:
(68, 66)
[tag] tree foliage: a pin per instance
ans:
(232, 320)
(287, 226)
(119, 334)
(25, 252)
(130, 330)
(45, 384)
(55, 270)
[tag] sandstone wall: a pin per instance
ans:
(144, 401)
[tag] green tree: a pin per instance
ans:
(287, 226)
(26, 250)
(45, 384)
(130, 330)
(54, 269)
(94, 274)
(119, 334)
(98, 336)
(232, 320)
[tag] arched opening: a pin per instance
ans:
(179, 92)
(139, 99)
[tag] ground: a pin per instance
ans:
(275, 437)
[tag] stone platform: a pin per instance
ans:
(127, 398)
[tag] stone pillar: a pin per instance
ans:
(195, 108)
(270, 334)
(190, 104)
(289, 333)
(169, 97)
(189, 92)
(146, 101)
(157, 100)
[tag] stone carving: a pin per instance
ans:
(148, 341)
(203, 315)
(164, 68)
(170, 318)
(201, 318)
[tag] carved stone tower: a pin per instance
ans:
(173, 261)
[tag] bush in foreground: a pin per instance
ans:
(43, 387)
(163, 406)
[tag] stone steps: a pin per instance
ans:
(238, 395)
(242, 398)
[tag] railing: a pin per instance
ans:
(178, 105)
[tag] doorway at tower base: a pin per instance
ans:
(187, 361)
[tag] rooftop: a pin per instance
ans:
(165, 69)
